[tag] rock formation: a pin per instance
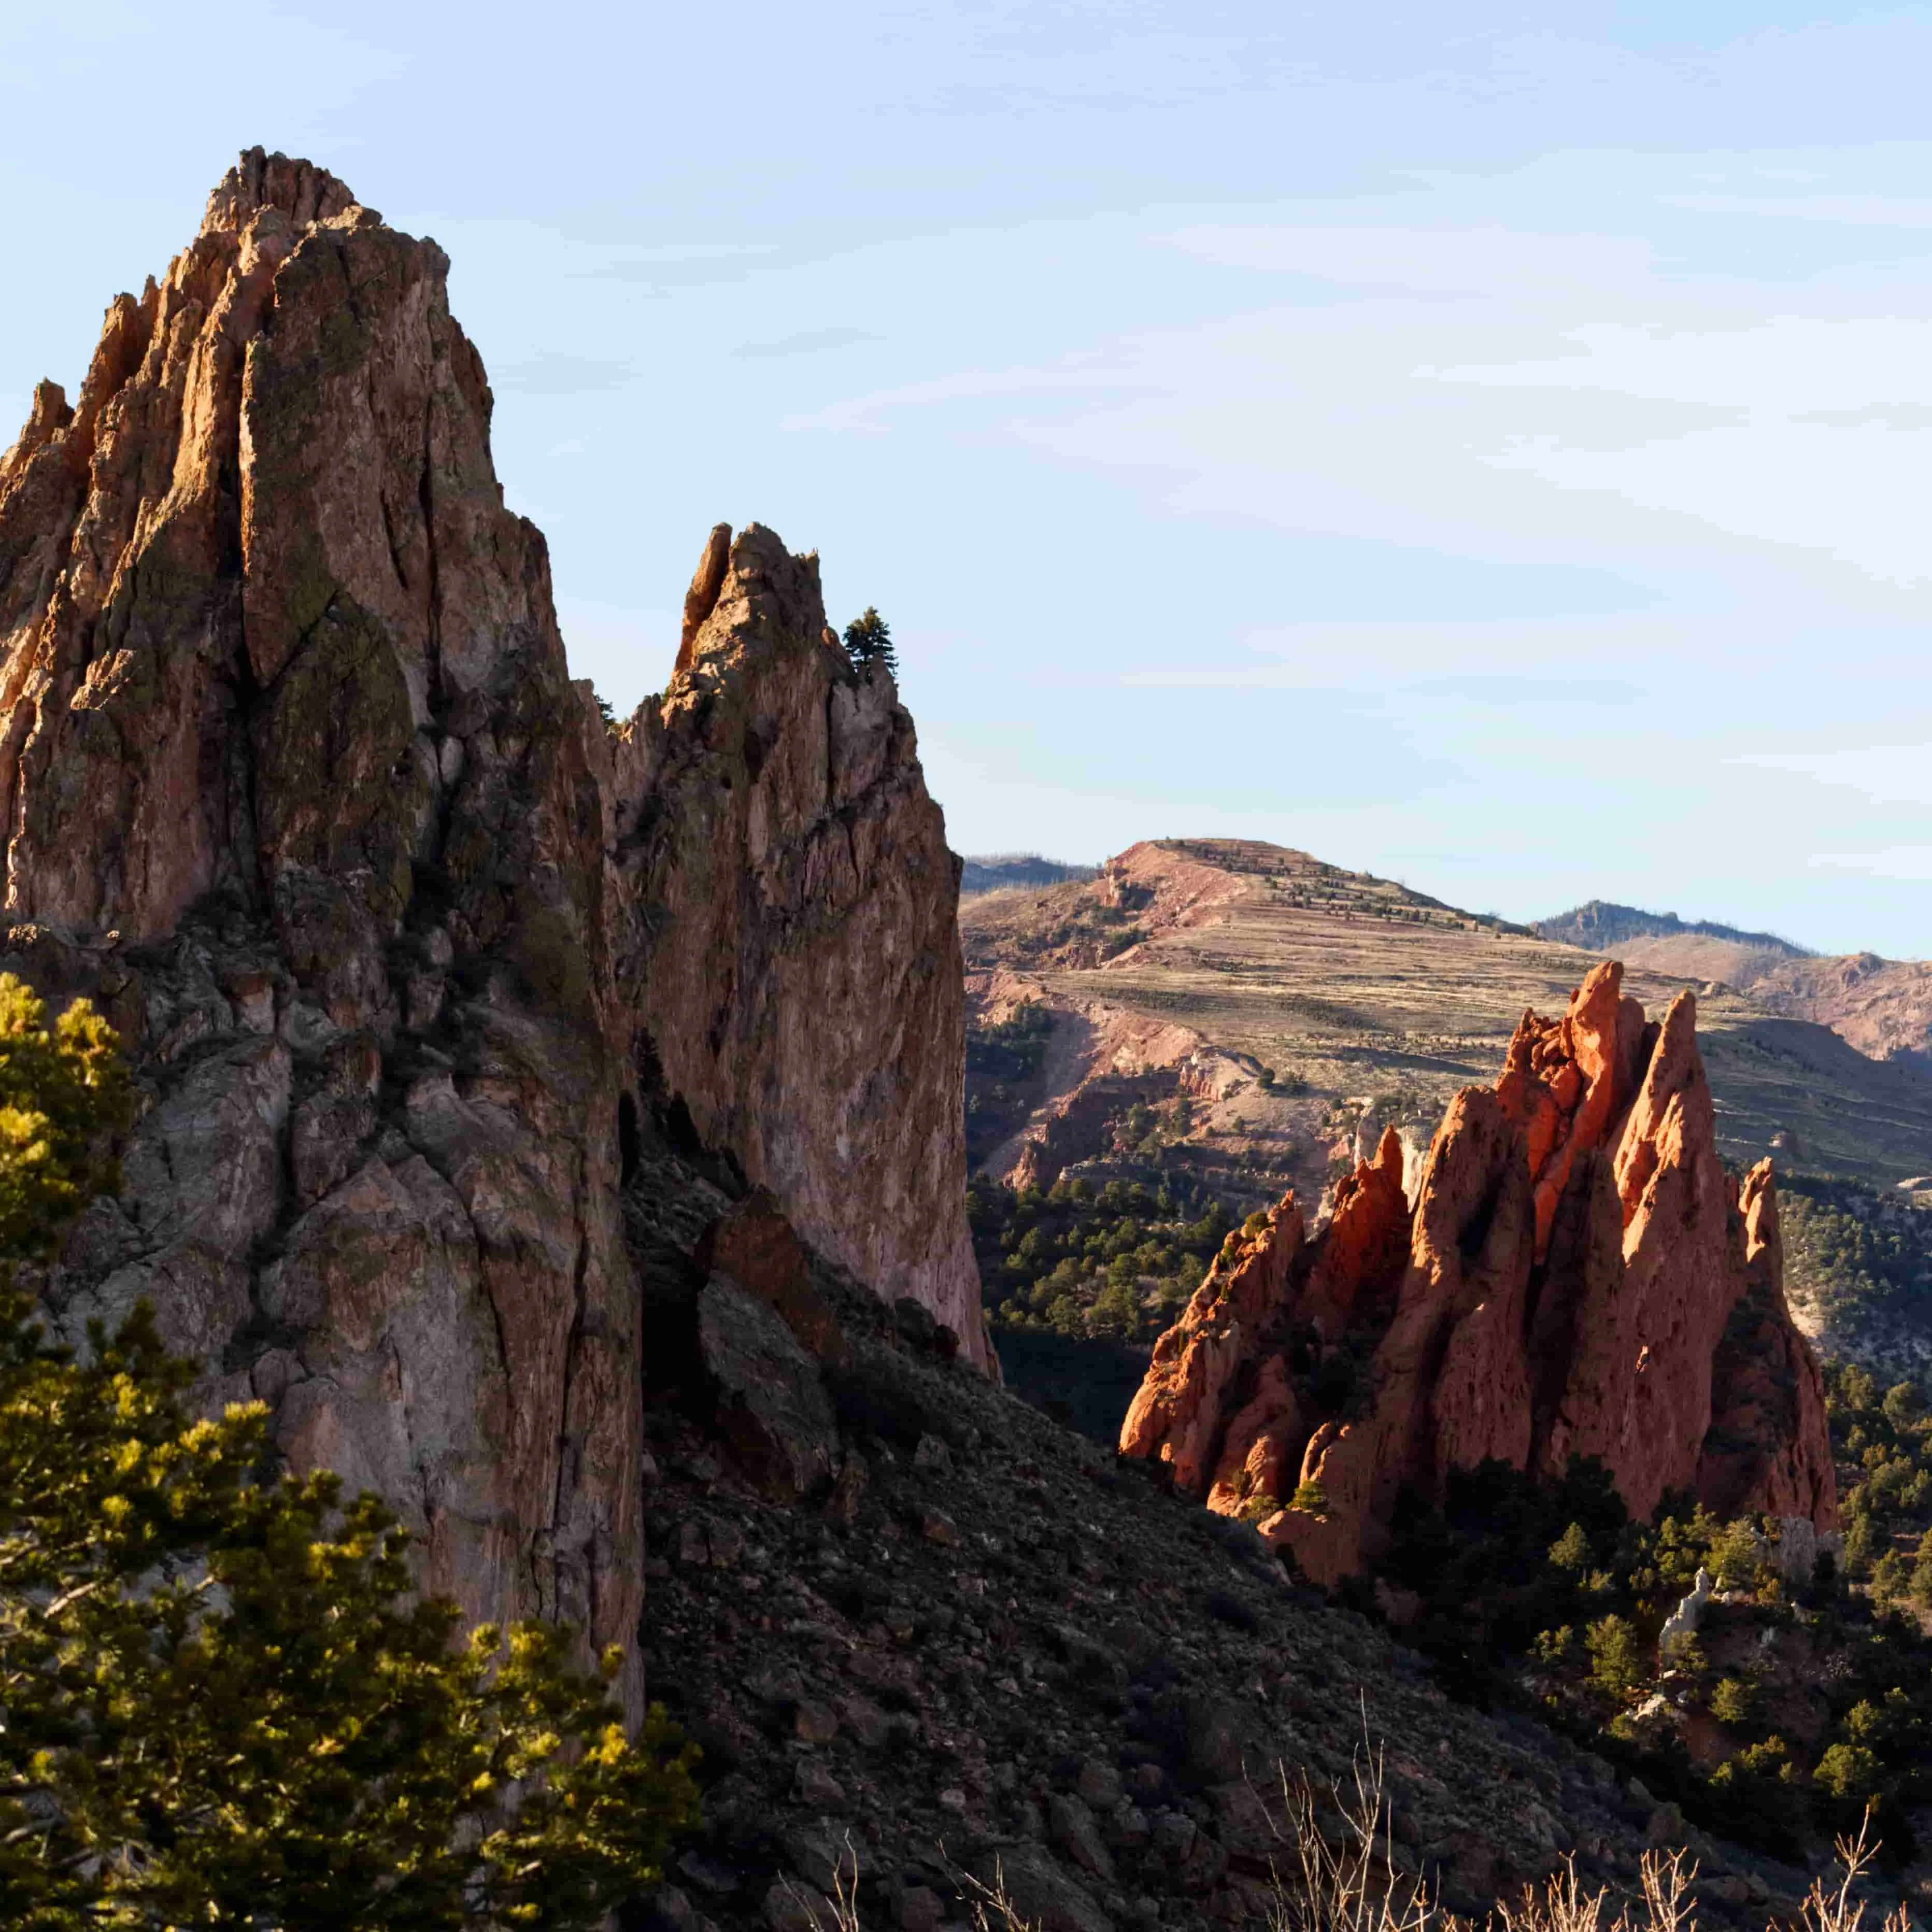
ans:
(1579, 1276)
(405, 944)
(788, 915)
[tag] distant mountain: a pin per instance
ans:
(1601, 927)
(988, 872)
(1883, 1007)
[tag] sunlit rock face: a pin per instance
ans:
(401, 938)
(1579, 1276)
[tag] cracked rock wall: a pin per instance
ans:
(295, 783)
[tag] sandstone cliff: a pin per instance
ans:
(404, 943)
(788, 911)
(1577, 1276)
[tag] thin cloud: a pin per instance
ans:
(807, 342)
(554, 374)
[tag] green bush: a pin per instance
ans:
(1571, 1550)
(63, 1092)
(1848, 1771)
(1733, 1559)
(1733, 1701)
(223, 1706)
(1616, 1660)
(1555, 1646)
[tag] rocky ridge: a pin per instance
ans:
(1883, 1007)
(405, 946)
(1259, 1017)
(980, 1644)
(1600, 925)
(1577, 1275)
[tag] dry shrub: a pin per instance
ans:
(1563, 1904)
(1341, 1876)
(1343, 1879)
(992, 1910)
(1837, 1910)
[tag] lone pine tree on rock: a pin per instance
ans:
(869, 641)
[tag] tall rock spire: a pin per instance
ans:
(1577, 1276)
(294, 779)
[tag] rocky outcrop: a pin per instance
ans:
(788, 910)
(1579, 1276)
(404, 944)
(1183, 1409)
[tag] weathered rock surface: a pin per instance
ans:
(404, 943)
(1086, 1690)
(1580, 1277)
(788, 913)
(772, 1403)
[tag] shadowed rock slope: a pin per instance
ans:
(980, 1644)
(404, 944)
(1576, 1275)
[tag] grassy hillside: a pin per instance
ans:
(1211, 1021)
(1601, 926)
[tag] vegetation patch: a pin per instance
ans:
(1117, 1260)
(1785, 1708)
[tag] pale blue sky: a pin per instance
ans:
(1484, 444)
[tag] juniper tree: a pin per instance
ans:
(869, 641)
(223, 1706)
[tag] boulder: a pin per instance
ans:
(771, 1405)
(758, 1248)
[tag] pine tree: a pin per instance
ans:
(869, 641)
(224, 1707)
(1616, 1663)
(1571, 1550)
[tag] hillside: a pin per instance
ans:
(1883, 1007)
(994, 1648)
(1858, 1262)
(1601, 926)
(1211, 1021)
(993, 871)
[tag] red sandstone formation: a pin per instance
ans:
(783, 910)
(296, 783)
(1182, 1405)
(1579, 1276)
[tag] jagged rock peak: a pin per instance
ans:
(1579, 1276)
(412, 956)
(298, 189)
